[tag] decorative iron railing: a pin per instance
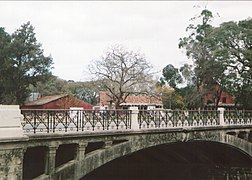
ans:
(238, 117)
(41, 121)
(46, 121)
(177, 118)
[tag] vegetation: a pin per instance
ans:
(86, 91)
(122, 73)
(233, 50)
(170, 97)
(171, 76)
(23, 63)
(220, 55)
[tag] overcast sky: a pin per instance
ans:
(76, 32)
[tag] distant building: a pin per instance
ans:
(57, 102)
(226, 99)
(33, 96)
(142, 102)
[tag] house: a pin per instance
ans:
(226, 100)
(142, 102)
(57, 102)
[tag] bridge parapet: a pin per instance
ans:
(10, 122)
(199, 118)
(178, 118)
(238, 117)
(67, 121)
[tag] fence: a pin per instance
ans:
(40, 121)
(46, 121)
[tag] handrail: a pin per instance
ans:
(41, 121)
(178, 118)
(67, 120)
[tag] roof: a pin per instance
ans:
(44, 100)
(133, 100)
(224, 104)
(143, 100)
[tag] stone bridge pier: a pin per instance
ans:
(11, 163)
(12, 148)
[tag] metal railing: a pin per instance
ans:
(238, 117)
(51, 121)
(177, 118)
(41, 121)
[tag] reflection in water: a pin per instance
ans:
(190, 161)
(172, 171)
(230, 173)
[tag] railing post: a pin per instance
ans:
(10, 122)
(134, 118)
(221, 116)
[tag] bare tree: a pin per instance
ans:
(122, 73)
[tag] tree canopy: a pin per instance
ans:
(123, 73)
(221, 55)
(22, 63)
(171, 75)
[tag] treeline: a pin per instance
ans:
(22, 63)
(220, 56)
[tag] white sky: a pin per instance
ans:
(76, 32)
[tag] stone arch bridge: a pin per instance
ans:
(69, 145)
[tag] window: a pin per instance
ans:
(224, 100)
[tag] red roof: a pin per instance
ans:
(44, 100)
(57, 102)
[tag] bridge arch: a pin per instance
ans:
(139, 142)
